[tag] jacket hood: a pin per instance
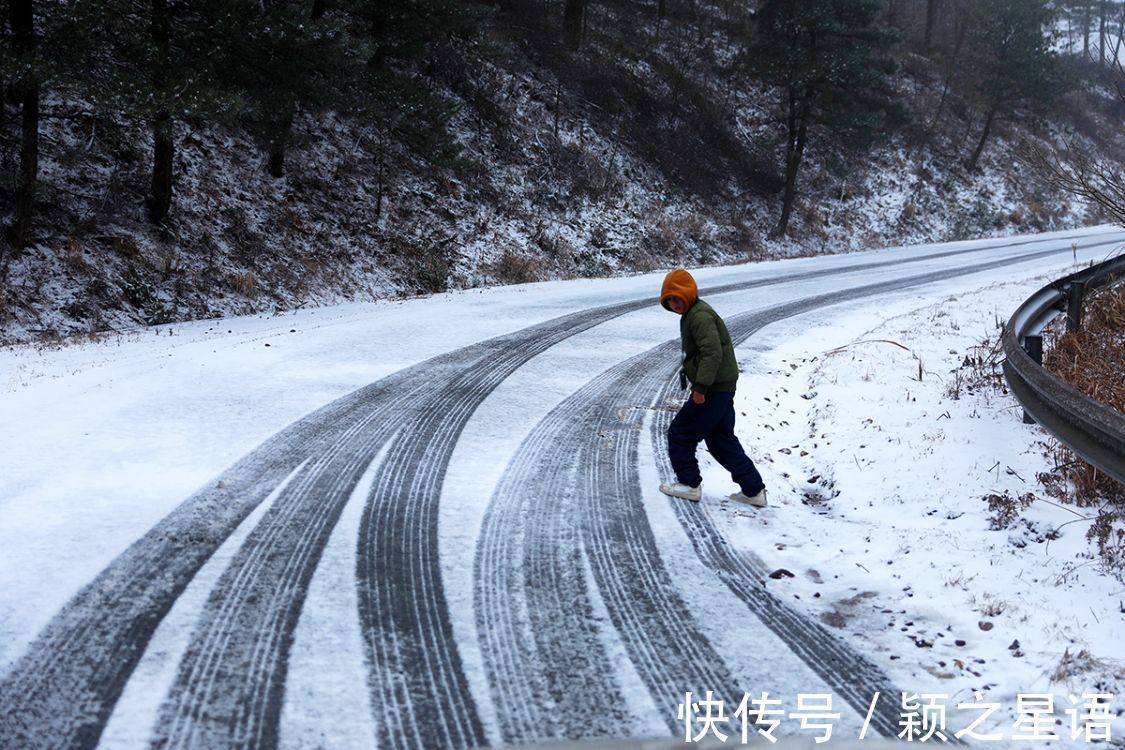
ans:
(679, 283)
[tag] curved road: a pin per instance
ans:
(569, 579)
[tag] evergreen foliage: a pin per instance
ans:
(283, 57)
(248, 64)
(829, 60)
(656, 80)
(114, 57)
(1010, 67)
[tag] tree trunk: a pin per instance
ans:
(573, 17)
(22, 22)
(277, 160)
(29, 165)
(892, 13)
(163, 148)
(1102, 34)
(983, 138)
(1116, 62)
(931, 22)
(163, 154)
(278, 144)
(794, 151)
(1086, 28)
(285, 123)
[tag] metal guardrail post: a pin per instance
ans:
(1074, 306)
(1033, 345)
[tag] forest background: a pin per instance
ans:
(165, 160)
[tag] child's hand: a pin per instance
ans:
(697, 397)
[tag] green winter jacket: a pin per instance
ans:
(709, 361)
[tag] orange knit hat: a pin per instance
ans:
(679, 283)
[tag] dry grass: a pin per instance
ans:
(1093, 361)
(980, 370)
(515, 268)
(245, 283)
(1006, 509)
(1093, 358)
(1071, 665)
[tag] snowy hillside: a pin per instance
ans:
(621, 157)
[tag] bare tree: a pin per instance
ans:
(1074, 170)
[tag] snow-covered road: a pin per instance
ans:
(431, 523)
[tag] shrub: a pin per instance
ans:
(513, 268)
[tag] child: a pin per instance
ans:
(708, 415)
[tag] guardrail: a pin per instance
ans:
(1092, 430)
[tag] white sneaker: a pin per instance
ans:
(684, 491)
(758, 501)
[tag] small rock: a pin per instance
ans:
(959, 642)
(809, 396)
(985, 625)
(1015, 646)
(781, 573)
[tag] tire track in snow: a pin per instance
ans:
(851, 675)
(62, 690)
(409, 637)
(230, 685)
(527, 632)
(230, 688)
(407, 630)
(539, 640)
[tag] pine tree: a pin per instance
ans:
(829, 60)
(23, 65)
(1009, 65)
(352, 57)
(283, 57)
(155, 60)
(396, 35)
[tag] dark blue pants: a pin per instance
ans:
(711, 422)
